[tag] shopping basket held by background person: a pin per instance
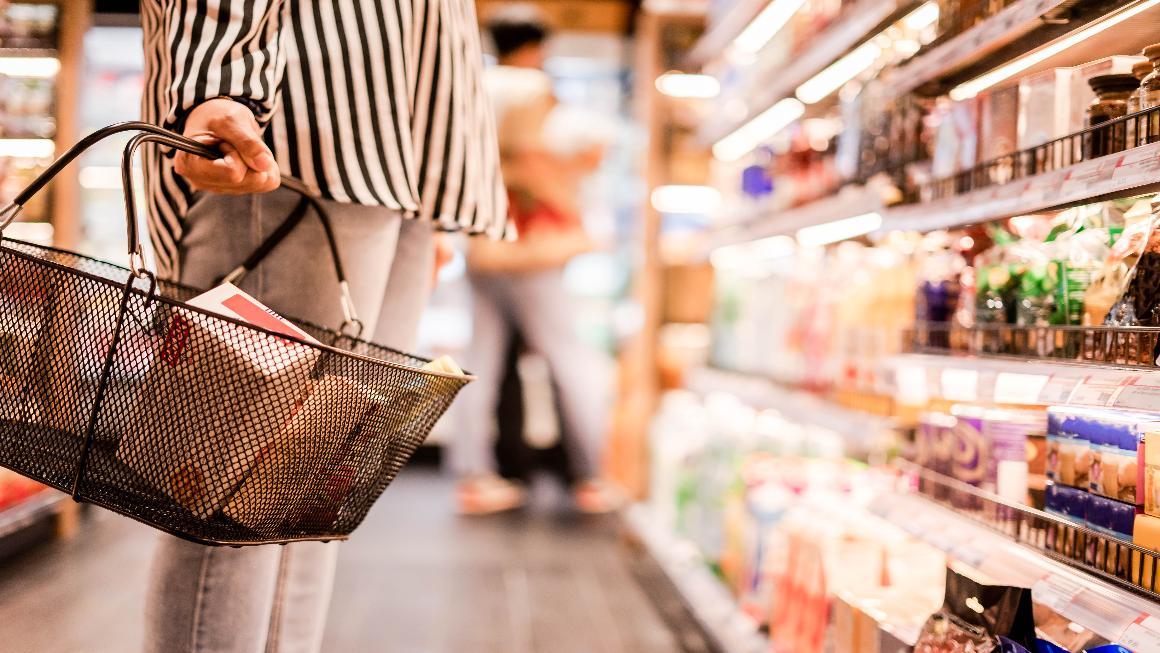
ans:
(202, 414)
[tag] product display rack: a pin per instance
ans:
(1098, 580)
(1066, 564)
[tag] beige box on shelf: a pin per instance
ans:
(215, 398)
(1046, 110)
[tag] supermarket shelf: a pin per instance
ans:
(29, 511)
(1022, 546)
(1023, 27)
(765, 222)
(1134, 172)
(1130, 173)
(769, 86)
(855, 426)
(1014, 381)
(710, 602)
(721, 33)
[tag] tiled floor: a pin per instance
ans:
(415, 579)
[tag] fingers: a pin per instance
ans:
(246, 165)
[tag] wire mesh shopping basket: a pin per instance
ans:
(116, 390)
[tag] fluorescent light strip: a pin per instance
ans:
(763, 127)
(923, 17)
(766, 25)
(682, 85)
(698, 200)
(838, 73)
(29, 66)
(832, 232)
(977, 85)
(27, 148)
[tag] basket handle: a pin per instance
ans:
(149, 133)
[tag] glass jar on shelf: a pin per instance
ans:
(1111, 103)
(1150, 96)
(1140, 71)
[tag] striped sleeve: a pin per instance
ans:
(222, 48)
(459, 184)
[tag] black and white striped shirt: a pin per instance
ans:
(376, 102)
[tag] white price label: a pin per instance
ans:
(960, 385)
(1056, 592)
(1098, 391)
(1141, 638)
(1142, 393)
(1011, 388)
(1058, 389)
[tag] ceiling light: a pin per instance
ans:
(832, 232)
(766, 25)
(977, 85)
(29, 66)
(681, 85)
(761, 128)
(27, 148)
(840, 72)
(923, 17)
(698, 200)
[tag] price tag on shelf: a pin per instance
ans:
(1012, 388)
(1056, 592)
(1098, 390)
(1143, 635)
(1142, 393)
(1058, 389)
(959, 384)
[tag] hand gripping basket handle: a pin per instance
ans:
(149, 133)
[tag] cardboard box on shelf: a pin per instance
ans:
(215, 399)
(1046, 107)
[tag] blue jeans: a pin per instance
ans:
(274, 599)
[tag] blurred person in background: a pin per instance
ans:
(379, 107)
(546, 152)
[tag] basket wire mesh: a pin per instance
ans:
(114, 389)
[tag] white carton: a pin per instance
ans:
(1046, 110)
(215, 398)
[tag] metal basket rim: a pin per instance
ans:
(465, 377)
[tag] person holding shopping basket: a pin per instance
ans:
(378, 106)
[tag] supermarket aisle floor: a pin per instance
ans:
(416, 579)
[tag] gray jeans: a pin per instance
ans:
(539, 306)
(274, 599)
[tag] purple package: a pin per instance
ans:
(971, 460)
(1007, 436)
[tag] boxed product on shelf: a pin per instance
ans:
(998, 129)
(1047, 109)
(1110, 517)
(1069, 452)
(979, 617)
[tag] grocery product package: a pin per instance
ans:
(216, 399)
(1110, 280)
(979, 618)
(1140, 303)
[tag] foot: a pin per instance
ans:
(597, 497)
(488, 495)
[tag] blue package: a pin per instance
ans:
(1068, 502)
(1108, 648)
(1110, 517)
(1007, 646)
(1044, 646)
